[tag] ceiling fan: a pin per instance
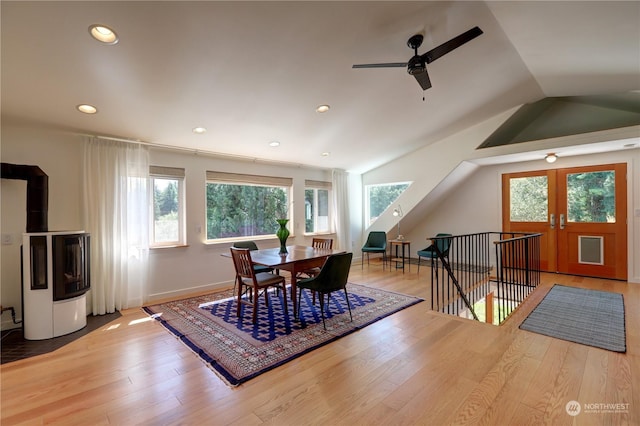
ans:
(417, 64)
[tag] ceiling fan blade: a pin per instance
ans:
(423, 79)
(388, 65)
(450, 45)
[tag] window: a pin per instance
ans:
(167, 224)
(528, 199)
(379, 197)
(591, 197)
(240, 205)
(317, 196)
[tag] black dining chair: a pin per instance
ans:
(332, 277)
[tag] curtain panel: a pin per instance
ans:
(341, 216)
(116, 213)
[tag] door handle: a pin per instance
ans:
(561, 220)
(552, 221)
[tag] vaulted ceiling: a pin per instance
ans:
(254, 72)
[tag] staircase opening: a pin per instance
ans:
(485, 276)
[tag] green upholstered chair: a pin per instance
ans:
(376, 243)
(443, 245)
(332, 277)
(253, 283)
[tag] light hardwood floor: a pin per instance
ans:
(414, 367)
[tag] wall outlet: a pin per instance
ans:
(7, 239)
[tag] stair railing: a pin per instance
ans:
(461, 277)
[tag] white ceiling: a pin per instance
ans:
(254, 72)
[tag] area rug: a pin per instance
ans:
(590, 317)
(238, 350)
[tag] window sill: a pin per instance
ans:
(254, 238)
(168, 246)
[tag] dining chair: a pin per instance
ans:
(332, 277)
(318, 243)
(443, 245)
(251, 245)
(376, 243)
(251, 282)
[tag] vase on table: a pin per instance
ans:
(282, 233)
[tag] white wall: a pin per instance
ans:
(200, 266)
(173, 271)
(59, 156)
(476, 206)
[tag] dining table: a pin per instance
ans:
(297, 259)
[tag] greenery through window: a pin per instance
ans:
(316, 211)
(591, 197)
(245, 209)
(529, 199)
(168, 206)
(379, 197)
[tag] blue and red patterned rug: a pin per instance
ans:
(238, 350)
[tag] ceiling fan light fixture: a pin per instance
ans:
(551, 157)
(416, 66)
(103, 34)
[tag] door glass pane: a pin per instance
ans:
(529, 199)
(591, 197)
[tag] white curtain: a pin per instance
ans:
(341, 216)
(116, 213)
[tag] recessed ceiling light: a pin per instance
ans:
(322, 108)
(103, 34)
(87, 109)
(199, 130)
(326, 154)
(274, 143)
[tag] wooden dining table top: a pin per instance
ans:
(271, 257)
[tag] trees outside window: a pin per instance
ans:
(245, 205)
(591, 197)
(167, 226)
(380, 197)
(529, 199)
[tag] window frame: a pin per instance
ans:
(367, 200)
(226, 178)
(316, 185)
(167, 173)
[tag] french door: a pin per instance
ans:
(581, 213)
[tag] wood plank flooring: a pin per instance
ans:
(414, 367)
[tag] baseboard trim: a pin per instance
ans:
(190, 290)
